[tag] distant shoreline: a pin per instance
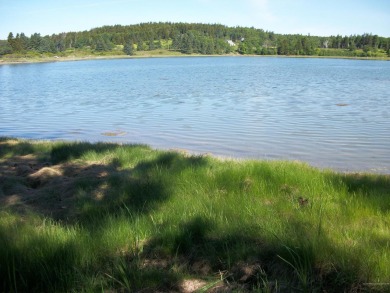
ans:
(25, 60)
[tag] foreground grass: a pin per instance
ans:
(80, 217)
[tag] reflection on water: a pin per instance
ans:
(330, 113)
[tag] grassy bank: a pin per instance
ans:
(78, 217)
(83, 54)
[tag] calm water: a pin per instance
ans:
(266, 108)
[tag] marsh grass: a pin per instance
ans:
(129, 218)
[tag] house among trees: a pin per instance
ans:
(231, 43)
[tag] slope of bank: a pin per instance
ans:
(88, 217)
(80, 55)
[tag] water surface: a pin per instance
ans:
(331, 113)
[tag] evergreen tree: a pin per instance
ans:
(100, 45)
(243, 48)
(128, 48)
(151, 45)
(283, 47)
(187, 44)
(209, 47)
(5, 48)
(46, 45)
(17, 44)
(59, 42)
(141, 46)
(35, 42)
(11, 40)
(24, 41)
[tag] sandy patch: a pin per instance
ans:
(193, 285)
(114, 133)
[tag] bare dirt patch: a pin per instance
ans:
(193, 285)
(27, 183)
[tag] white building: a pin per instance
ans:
(231, 43)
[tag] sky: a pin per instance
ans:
(314, 17)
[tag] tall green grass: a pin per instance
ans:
(126, 217)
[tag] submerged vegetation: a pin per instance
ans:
(189, 38)
(101, 217)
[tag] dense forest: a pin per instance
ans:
(197, 38)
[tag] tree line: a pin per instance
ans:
(197, 38)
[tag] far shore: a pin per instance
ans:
(146, 54)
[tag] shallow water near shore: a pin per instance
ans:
(331, 113)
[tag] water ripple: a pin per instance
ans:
(330, 113)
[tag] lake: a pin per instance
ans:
(331, 113)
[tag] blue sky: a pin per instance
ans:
(315, 17)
